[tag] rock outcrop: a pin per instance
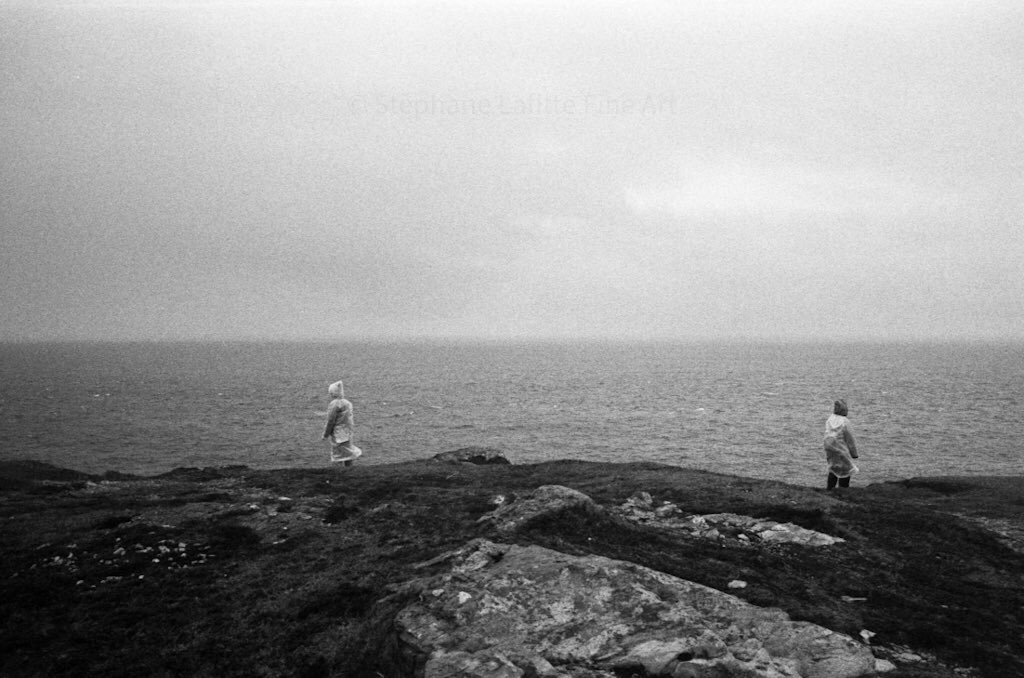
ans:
(472, 455)
(505, 610)
(546, 500)
(640, 508)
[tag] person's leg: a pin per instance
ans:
(832, 480)
(844, 482)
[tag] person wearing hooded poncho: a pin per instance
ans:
(339, 427)
(840, 447)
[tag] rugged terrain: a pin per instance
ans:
(240, 572)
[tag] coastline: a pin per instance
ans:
(235, 571)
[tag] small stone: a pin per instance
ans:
(884, 666)
(737, 584)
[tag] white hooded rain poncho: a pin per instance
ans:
(339, 426)
(840, 448)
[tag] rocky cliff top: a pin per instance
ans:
(365, 571)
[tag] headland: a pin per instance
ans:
(239, 572)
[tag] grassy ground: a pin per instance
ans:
(235, 572)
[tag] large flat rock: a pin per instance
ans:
(506, 610)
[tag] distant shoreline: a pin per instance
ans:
(543, 341)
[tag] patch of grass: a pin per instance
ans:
(340, 511)
(941, 486)
(344, 600)
(233, 536)
(110, 522)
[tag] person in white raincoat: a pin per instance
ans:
(339, 427)
(840, 447)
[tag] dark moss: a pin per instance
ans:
(344, 600)
(111, 522)
(233, 536)
(340, 511)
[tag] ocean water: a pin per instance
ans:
(744, 408)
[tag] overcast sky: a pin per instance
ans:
(783, 170)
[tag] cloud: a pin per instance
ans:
(745, 189)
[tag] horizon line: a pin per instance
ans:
(461, 339)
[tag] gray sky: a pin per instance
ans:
(805, 170)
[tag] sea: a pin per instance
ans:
(746, 408)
